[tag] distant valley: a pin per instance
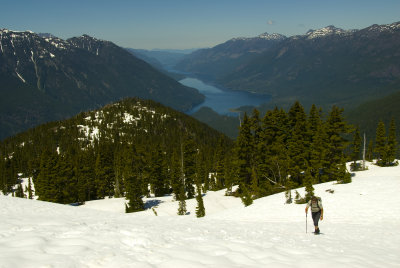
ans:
(326, 66)
(45, 78)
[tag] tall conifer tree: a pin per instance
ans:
(380, 144)
(133, 174)
(336, 128)
(392, 143)
(244, 151)
(200, 210)
(318, 147)
(298, 142)
(190, 155)
(356, 148)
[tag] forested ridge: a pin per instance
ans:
(114, 151)
(136, 148)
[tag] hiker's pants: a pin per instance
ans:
(316, 216)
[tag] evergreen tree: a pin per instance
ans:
(213, 182)
(256, 156)
(182, 194)
(85, 174)
(175, 175)
(288, 196)
(46, 182)
(200, 210)
(182, 201)
(274, 167)
(246, 196)
(392, 143)
(314, 121)
(229, 174)
(133, 193)
(19, 192)
(370, 151)
(298, 199)
(202, 172)
(219, 172)
(118, 167)
(319, 146)
(254, 186)
(66, 183)
(298, 142)
(308, 185)
(244, 151)
(2, 173)
(336, 128)
(343, 175)
(190, 154)
(380, 144)
(133, 175)
(356, 148)
(158, 178)
(104, 171)
(30, 191)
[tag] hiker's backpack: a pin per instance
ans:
(318, 200)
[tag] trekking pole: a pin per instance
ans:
(306, 221)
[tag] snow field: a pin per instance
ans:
(360, 229)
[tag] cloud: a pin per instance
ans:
(271, 22)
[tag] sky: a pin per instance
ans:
(183, 24)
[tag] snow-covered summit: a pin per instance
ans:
(385, 27)
(265, 36)
(274, 36)
(326, 31)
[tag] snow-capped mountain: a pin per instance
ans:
(274, 36)
(227, 57)
(326, 31)
(266, 36)
(328, 66)
(47, 78)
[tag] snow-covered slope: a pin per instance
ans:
(360, 229)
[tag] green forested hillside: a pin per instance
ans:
(226, 124)
(134, 148)
(114, 151)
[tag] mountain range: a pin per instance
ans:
(46, 78)
(211, 63)
(326, 66)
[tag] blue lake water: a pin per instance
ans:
(222, 100)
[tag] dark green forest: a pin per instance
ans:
(136, 148)
(285, 150)
(130, 148)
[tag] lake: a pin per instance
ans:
(223, 100)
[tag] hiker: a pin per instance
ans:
(317, 211)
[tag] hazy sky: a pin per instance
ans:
(189, 24)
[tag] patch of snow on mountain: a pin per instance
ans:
(329, 30)
(274, 36)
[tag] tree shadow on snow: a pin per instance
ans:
(152, 203)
